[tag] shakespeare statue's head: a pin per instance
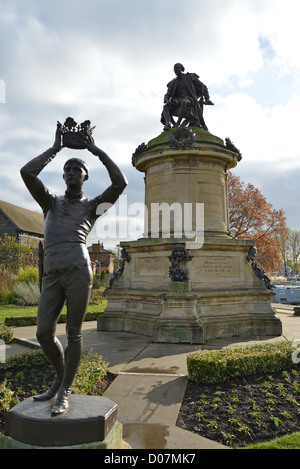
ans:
(178, 68)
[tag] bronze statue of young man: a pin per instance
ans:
(67, 271)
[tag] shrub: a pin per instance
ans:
(96, 296)
(28, 274)
(91, 370)
(7, 280)
(14, 254)
(6, 334)
(220, 365)
(6, 396)
(12, 298)
(21, 289)
(28, 292)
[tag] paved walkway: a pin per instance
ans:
(151, 380)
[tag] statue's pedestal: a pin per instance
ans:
(223, 297)
(90, 423)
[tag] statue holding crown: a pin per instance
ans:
(67, 273)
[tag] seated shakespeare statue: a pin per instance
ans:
(184, 99)
(68, 219)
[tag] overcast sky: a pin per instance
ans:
(110, 60)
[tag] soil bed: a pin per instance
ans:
(243, 411)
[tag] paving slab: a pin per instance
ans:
(148, 406)
(162, 359)
(13, 349)
(146, 398)
(118, 348)
(183, 439)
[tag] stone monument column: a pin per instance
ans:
(187, 170)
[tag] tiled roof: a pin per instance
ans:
(24, 219)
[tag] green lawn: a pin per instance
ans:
(17, 311)
(290, 441)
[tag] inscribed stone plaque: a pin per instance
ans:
(145, 267)
(223, 266)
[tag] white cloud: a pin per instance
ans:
(110, 62)
(260, 132)
(280, 23)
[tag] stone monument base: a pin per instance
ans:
(90, 423)
(223, 297)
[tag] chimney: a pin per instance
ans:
(96, 247)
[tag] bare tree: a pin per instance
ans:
(293, 246)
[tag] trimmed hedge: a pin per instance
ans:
(25, 359)
(221, 365)
(18, 321)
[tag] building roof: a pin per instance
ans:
(24, 219)
(98, 249)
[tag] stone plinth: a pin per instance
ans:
(90, 422)
(223, 297)
(195, 174)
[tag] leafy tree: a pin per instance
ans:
(14, 255)
(254, 218)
